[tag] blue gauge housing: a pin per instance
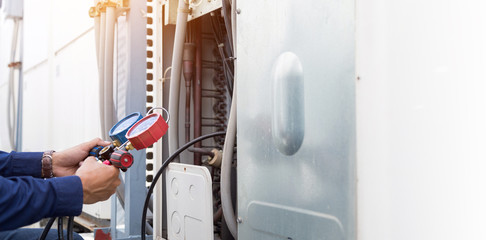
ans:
(120, 129)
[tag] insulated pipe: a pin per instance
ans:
(229, 143)
(101, 73)
(175, 75)
(108, 76)
(226, 203)
(198, 92)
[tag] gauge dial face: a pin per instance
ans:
(125, 124)
(143, 125)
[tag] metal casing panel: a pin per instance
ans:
(296, 120)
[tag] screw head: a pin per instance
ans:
(239, 220)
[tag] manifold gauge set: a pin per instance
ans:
(132, 132)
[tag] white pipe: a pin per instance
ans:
(108, 77)
(97, 32)
(101, 72)
(97, 37)
(233, 27)
(20, 92)
(11, 86)
(175, 75)
(229, 143)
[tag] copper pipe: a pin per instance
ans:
(198, 91)
(203, 151)
(188, 70)
(188, 111)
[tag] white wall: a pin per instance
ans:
(421, 115)
(60, 75)
(60, 78)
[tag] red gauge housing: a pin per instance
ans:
(147, 131)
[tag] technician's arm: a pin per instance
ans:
(64, 163)
(25, 200)
(20, 164)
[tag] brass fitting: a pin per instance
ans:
(93, 12)
(129, 146)
(116, 143)
(102, 5)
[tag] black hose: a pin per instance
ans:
(47, 228)
(60, 234)
(161, 170)
(70, 228)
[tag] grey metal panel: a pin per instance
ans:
(296, 125)
(131, 70)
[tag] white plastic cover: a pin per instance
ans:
(189, 202)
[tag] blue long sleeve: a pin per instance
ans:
(20, 164)
(25, 199)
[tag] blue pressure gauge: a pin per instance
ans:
(119, 130)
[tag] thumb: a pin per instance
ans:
(95, 142)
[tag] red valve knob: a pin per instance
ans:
(121, 159)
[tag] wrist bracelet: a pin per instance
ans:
(47, 164)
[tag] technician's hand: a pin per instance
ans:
(65, 163)
(99, 180)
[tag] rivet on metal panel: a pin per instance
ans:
(239, 220)
(238, 11)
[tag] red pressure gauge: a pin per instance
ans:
(147, 131)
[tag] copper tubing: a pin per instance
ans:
(203, 151)
(198, 91)
(188, 111)
(187, 68)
